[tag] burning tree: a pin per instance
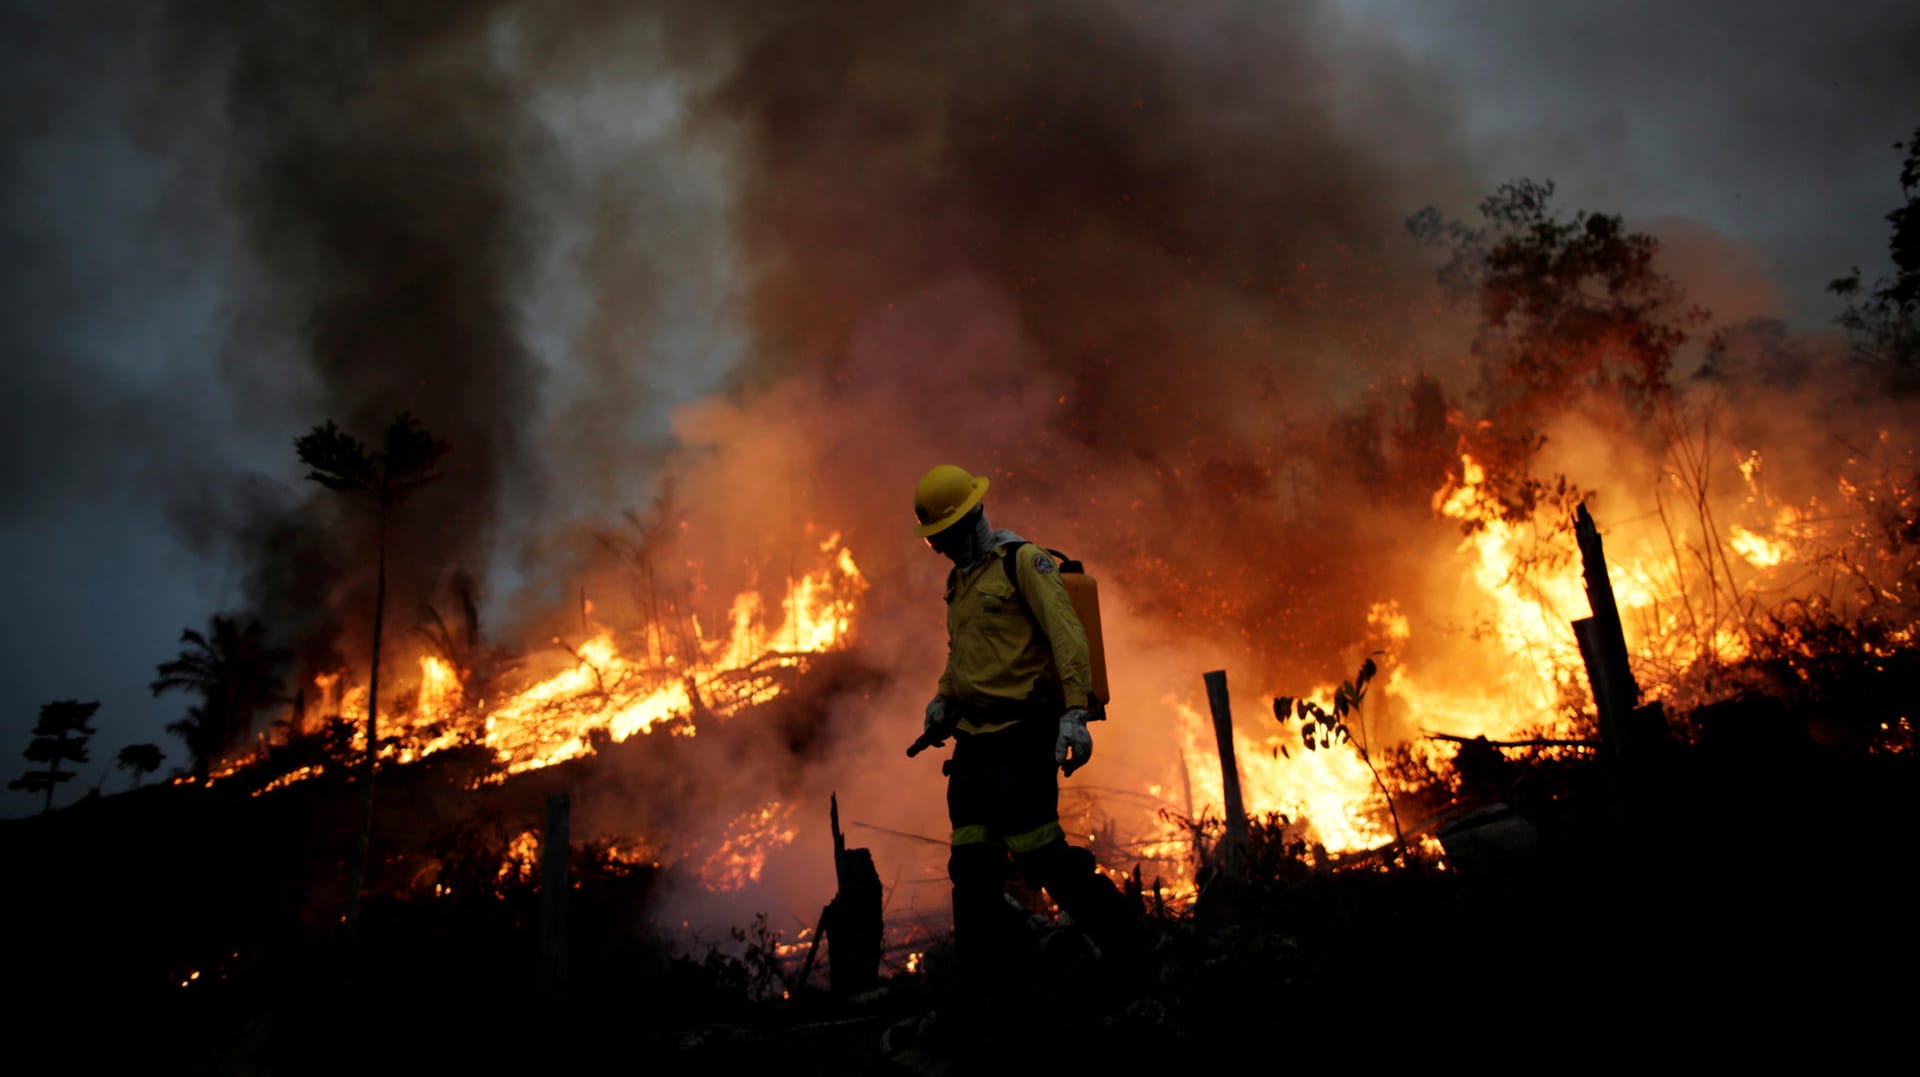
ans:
(1567, 306)
(61, 735)
(378, 481)
(1750, 583)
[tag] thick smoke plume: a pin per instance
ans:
(1132, 268)
(1137, 273)
(371, 165)
(1147, 272)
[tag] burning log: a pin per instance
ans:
(1531, 742)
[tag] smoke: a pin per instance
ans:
(1136, 272)
(1093, 254)
(747, 270)
(105, 308)
(369, 164)
(1145, 273)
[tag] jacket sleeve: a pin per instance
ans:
(945, 690)
(1053, 611)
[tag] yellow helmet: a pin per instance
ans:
(945, 494)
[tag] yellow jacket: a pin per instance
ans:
(999, 653)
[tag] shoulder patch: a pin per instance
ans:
(1042, 563)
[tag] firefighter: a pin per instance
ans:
(1014, 698)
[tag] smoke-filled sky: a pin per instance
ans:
(790, 257)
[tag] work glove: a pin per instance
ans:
(936, 718)
(1074, 745)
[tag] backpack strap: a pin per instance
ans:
(1012, 567)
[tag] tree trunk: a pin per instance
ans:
(362, 852)
(53, 781)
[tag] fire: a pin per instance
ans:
(522, 863)
(1519, 674)
(1329, 789)
(616, 686)
(1531, 610)
(630, 856)
(610, 691)
(1677, 616)
(1759, 551)
(1526, 677)
(284, 780)
(742, 853)
(1332, 792)
(551, 721)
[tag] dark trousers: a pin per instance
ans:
(1003, 800)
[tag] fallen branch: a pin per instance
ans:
(806, 969)
(599, 681)
(1536, 742)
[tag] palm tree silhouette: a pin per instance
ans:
(236, 673)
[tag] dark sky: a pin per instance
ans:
(152, 403)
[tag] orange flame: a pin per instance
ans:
(742, 853)
(612, 692)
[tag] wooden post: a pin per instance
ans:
(1593, 651)
(1229, 770)
(555, 848)
(1603, 648)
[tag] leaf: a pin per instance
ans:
(1301, 707)
(1307, 731)
(1309, 743)
(1367, 670)
(1283, 709)
(337, 461)
(1283, 751)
